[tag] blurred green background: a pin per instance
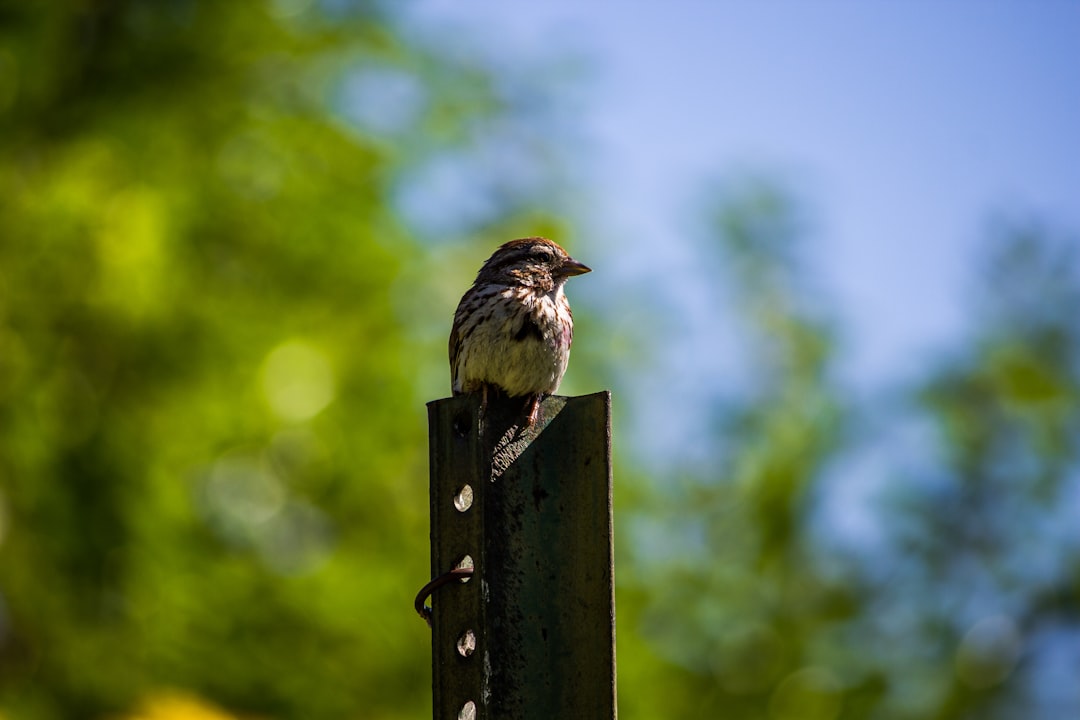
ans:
(218, 330)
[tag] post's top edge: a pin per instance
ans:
(454, 400)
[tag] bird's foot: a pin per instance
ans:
(534, 409)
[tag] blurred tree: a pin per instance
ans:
(212, 450)
(737, 597)
(734, 598)
(986, 537)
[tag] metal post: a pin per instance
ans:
(531, 634)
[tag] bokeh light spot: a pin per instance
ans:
(241, 493)
(988, 652)
(131, 247)
(297, 381)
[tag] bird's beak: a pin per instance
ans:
(572, 267)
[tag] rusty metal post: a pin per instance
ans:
(532, 633)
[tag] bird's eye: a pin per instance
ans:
(542, 255)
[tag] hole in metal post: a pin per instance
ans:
(466, 644)
(465, 562)
(463, 499)
(468, 711)
(461, 424)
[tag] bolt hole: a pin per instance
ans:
(465, 562)
(463, 499)
(468, 711)
(466, 644)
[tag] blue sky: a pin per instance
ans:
(903, 127)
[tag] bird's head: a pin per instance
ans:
(533, 262)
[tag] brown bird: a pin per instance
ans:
(513, 327)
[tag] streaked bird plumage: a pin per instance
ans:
(513, 327)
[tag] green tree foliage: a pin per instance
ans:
(958, 595)
(985, 531)
(217, 273)
(212, 445)
(736, 603)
